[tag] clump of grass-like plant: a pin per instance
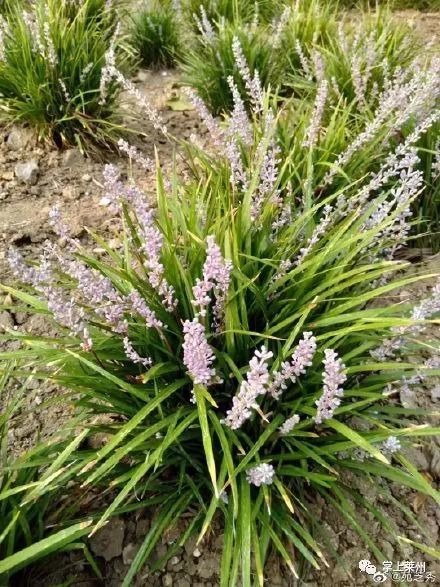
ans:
(156, 36)
(358, 60)
(196, 12)
(51, 70)
(350, 142)
(212, 60)
(233, 342)
(301, 47)
(34, 520)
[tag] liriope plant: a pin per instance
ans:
(358, 60)
(31, 494)
(210, 60)
(51, 59)
(155, 35)
(303, 45)
(232, 341)
(326, 146)
(198, 13)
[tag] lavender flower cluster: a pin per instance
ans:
(301, 358)
(289, 424)
(256, 383)
(205, 26)
(197, 354)
(93, 295)
(259, 382)
(111, 73)
(260, 475)
(150, 234)
(216, 278)
(252, 82)
(134, 356)
(334, 377)
(315, 122)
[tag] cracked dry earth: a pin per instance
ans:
(75, 181)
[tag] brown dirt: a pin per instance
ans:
(426, 24)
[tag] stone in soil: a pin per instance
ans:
(107, 542)
(416, 457)
(408, 397)
(72, 159)
(208, 566)
(27, 172)
(129, 553)
(18, 138)
(6, 321)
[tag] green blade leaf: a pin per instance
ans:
(199, 392)
(52, 543)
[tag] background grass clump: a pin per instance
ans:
(210, 62)
(238, 11)
(51, 69)
(302, 45)
(156, 35)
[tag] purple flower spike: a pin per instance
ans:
(255, 385)
(197, 354)
(301, 359)
(334, 377)
(134, 356)
(216, 278)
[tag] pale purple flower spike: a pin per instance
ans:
(204, 25)
(302, 358)
(252, 83)
(140, 306)
(239, 125)
(260, 475)
(216, 278)
(315, 122)
(134, 356)
(289, 424)
(197, 354)
(334, 377)
(255, 385)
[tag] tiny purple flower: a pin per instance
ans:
(260, 475)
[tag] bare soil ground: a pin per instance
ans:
(425, 24)
(75, 181)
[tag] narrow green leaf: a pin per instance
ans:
(52, 543)
(199, 392)
(357, 439)
(245, 531)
